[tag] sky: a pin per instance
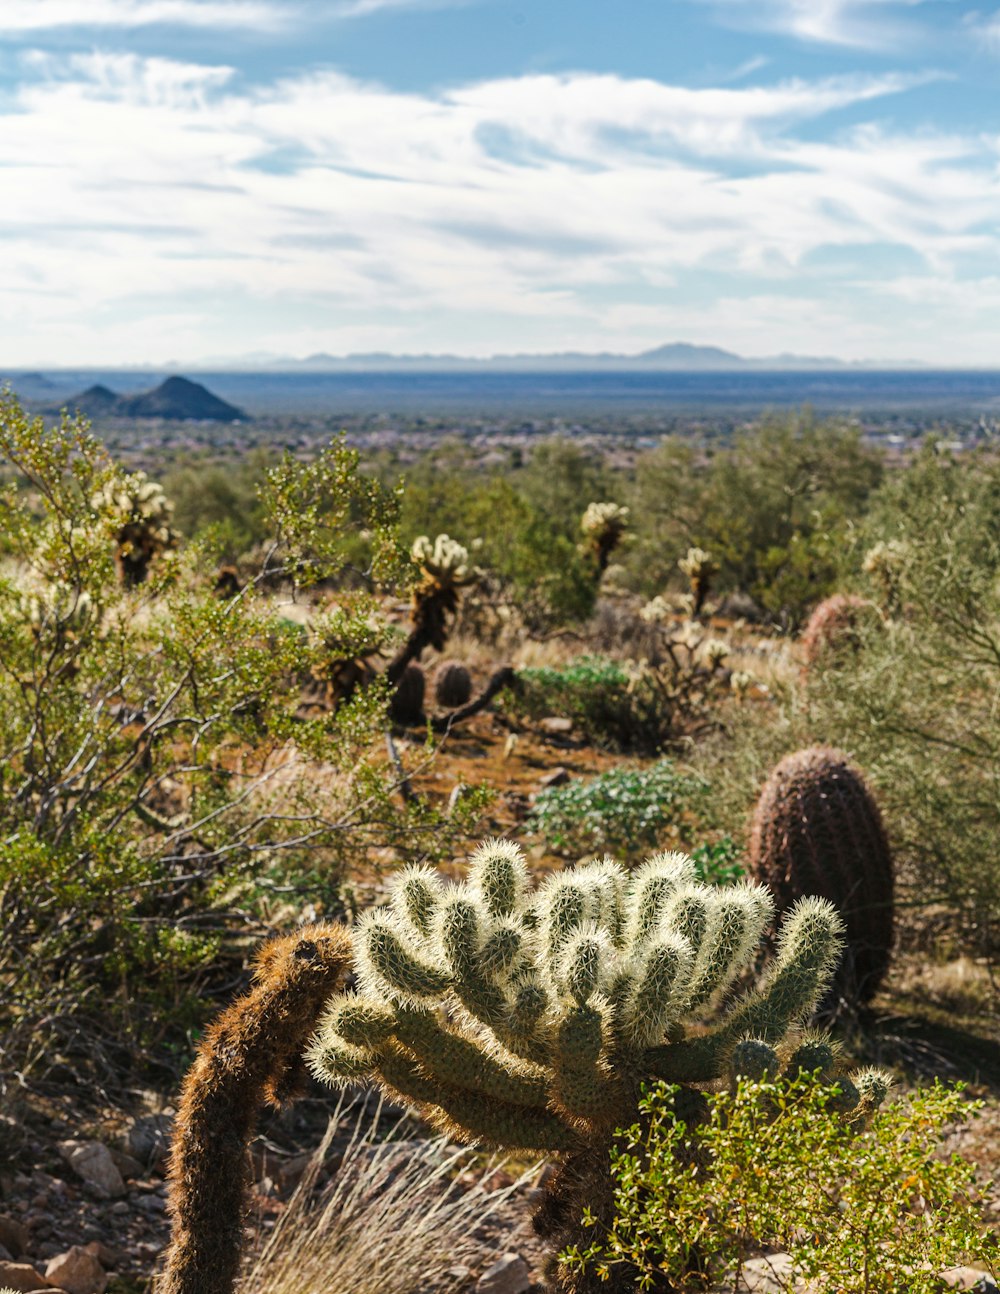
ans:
(206, 180)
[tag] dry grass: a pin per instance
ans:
(399, 1216)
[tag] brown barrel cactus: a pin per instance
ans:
(452, 685)
(836, 626)
(817, 831)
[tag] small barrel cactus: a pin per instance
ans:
(452, 685)
(142, 514)
(817, 831)
(836, 627)
(603, 525)
(700, 568)
(885, 564)
(406, 706)
(529, 1019)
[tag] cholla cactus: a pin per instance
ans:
(740, 683)
(699, 567)
(603, 525)
(444, 571)
(716, 652)
(885, 563)
(141, 513)
(657, 611)
(528, 1020)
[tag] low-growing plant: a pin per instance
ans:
(861, 1206)
(620, 811)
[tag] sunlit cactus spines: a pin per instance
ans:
(700, 567)
(818, 831)
(885, 563)
(443, 560)
(452, 685)
(603, 525)
(528, 1017)
(444, 571)
(716, 652)
(657, 611)
(741, 684)
(836, 628)
(141, 514)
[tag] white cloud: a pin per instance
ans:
(857, 24)
(154, 207)
(362, 8)
(43, 15)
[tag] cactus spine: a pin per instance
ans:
(142, 514)
(603, 525)
(248, 1057)
(817, 831)
(452, 685)
(700, 568)
(528, 1019)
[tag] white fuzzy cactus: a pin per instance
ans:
(442, 559)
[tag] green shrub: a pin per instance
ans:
(624, 811)
(860, 1209)
(627, 708)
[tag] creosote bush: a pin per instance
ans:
(530, 1019)
(861, 1206)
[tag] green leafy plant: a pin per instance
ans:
(622, 810)
(861, 1206)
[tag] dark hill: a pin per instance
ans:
(96, 402)
(176, 399)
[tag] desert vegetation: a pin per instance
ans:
(631, 817)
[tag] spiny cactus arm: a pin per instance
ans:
(584, 1088)
(463, 1062)
(388, 965)
(499, 876)
(461, 933)
(653, 885)
(652, 992)
(416, 896)
(739, 919)
(243, 1060)
(470, 1116)
(808, 947)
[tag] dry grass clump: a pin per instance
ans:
(399, 1216)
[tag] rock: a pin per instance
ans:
(508, 1275)
(969, 1278)
(556, 726)
(127, 1165)
(5, 1255)
(77, 1272)
(108, 1258)
(289, 1172)
(149, 1137)
(558, 777)
(13, 1235)
(21, 1277)
(92, 1161)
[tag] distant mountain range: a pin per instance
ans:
(176, 399)
(676, 356)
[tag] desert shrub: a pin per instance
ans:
(158, 791)
(621, 811)
(861, 1208)
(221, 503)
(627, 706)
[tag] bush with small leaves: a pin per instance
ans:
(530, 1019)
(861, 1205)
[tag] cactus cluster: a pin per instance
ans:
(528, 1019)
(700, 568)
(836, 626)
(142, 514)
(603, 525)
(60, 612)
(817, 831)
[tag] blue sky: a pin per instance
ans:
(208, 179)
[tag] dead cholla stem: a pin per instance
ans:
(245, 1060)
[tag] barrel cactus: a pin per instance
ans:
(836, 627)
(818, 832)
(885, 565)
(700, 568)
(603, 525)
(452, 685)
(141, 513)
(528, 1019)
(406, 705)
